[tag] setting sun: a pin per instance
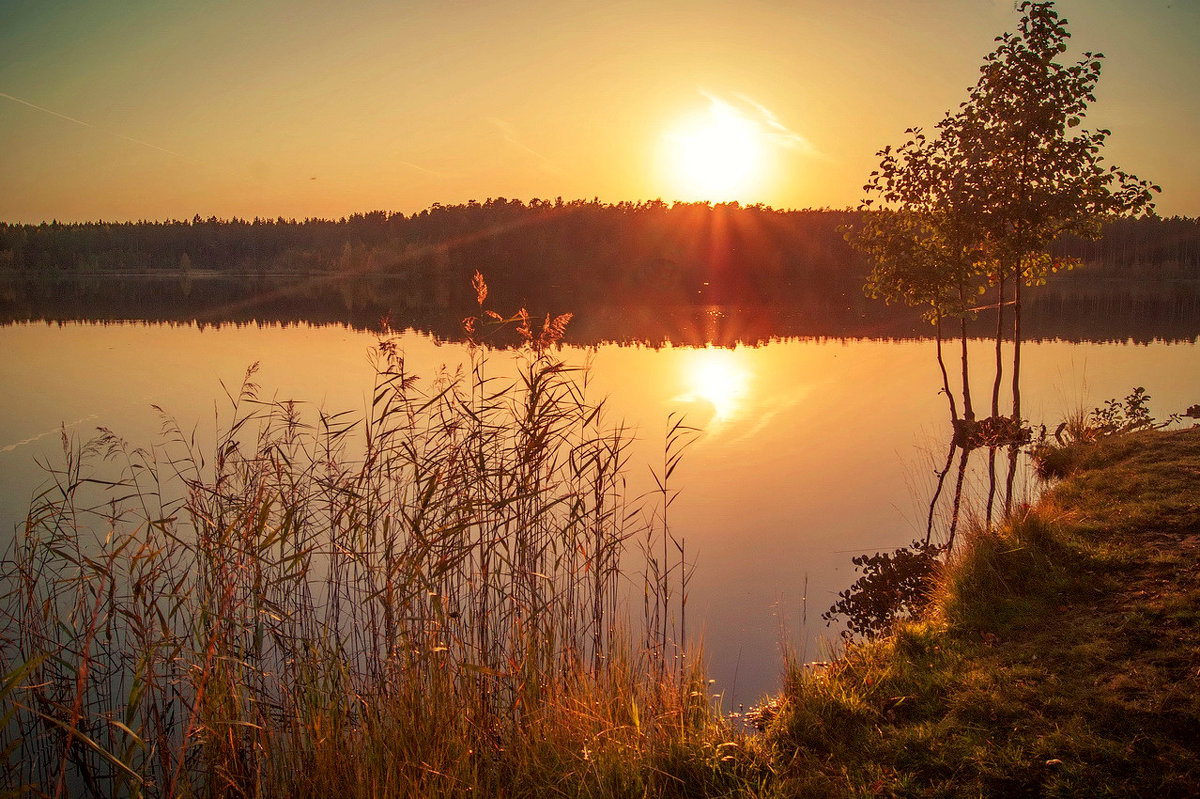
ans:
(717, 155)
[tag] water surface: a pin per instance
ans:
(812, 450)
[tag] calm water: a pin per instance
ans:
(812, 451)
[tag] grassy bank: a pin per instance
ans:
(1062, 656)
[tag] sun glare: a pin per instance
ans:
(717, 155)
(717, 377)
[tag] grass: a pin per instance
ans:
(1061, 658)
(428, 601)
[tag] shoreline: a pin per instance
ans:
(1062, 656)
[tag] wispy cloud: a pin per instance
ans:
(509, 133)
(89, 125)
(419, 168)
(766, 120)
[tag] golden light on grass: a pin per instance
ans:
(717, 155)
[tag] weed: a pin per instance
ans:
(894, 585)
(424, 601)
(1058, 457)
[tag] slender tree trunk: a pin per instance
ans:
(991, 500)
(958, 490)
(945, 377)
(968, 411)
(999, 340)
(1012, 473)
(1016, 377)
(938, 491)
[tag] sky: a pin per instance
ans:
(156, 109)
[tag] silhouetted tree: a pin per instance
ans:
(997, 183)
(1018, 165)
(977, 205)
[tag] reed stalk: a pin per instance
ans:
(414, 602)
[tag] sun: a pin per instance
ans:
(716, 155)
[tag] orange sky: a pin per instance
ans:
(154, 110)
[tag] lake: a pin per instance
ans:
(812, 451)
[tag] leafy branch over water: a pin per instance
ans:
(894, 585)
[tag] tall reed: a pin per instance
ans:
(397, 603)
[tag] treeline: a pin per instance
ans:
(1151, 247)
(545, 253)
(531, 252)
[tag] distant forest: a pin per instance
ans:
(551, 255)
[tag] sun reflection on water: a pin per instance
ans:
(718, 377)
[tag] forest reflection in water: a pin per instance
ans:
(813, 451)
(1074, 308)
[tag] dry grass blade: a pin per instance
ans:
(444, 572)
